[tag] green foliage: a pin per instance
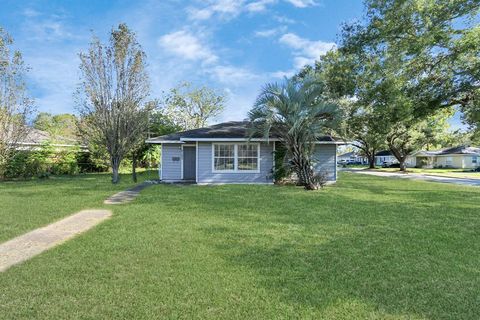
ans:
(45, 161)
(191, 107)
(282, 170)
(161, 124)
(63, 125)
(296, 112)
(399, 69)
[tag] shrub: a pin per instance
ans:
(281, 172)
(43, 162)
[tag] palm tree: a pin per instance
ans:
(296, 112)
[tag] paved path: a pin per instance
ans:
(130, 194)
(419, 176)
(35, 242)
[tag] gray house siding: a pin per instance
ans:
(205, 174)
(325, 160)
(171, 169)
(171, 162)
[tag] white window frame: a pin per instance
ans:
(235, 158)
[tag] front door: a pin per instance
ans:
(189, 163)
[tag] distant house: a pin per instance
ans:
(461, 157)
(224, 153)
(36, 138)
(351, 157)
(385, 157)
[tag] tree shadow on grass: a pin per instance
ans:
(408, 261)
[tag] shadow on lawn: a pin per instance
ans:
(415, 263)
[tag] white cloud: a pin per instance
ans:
(305, 51)
(283, 19)
(266, 33)
(29, 12)
(232, 75)
(282, 74)
(187, 46)
(258, 6)
(302, 3)
(223, 8)
(42, 27)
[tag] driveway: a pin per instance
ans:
(419, 176)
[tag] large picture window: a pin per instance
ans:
(236, 157)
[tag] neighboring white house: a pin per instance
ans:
(224, 153)
(35, 139)
(461, 157)
(351, 157)
(385, 157)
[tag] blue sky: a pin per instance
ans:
(232, 45)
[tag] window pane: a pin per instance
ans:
(224, 150)
(224, 157)
(247, 164)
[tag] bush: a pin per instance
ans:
(282, 171)
(43, 162)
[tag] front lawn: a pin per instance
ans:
(367, 247)
(451, 173)
(26, 205)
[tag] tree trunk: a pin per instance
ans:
(306, 176)
(403, 166)
(115, 162)
(371, 161)
(134, 168)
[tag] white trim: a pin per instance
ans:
(229, 139)
(196, 162)
(181, 164)
(151, 141)
(161, 162)
(336, 165)
(183, 140)
(235, 158)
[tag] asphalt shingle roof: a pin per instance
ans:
(225, 130)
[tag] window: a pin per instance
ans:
(448, 161)
(236, 157)
(474, 159)
(224, 157)
(247, 157)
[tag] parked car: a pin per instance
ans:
(386, 164)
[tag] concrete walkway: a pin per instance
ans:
(35, 242)
(130, 194)
(419, 176)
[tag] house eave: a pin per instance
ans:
(184, 140)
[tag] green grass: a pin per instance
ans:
(367, 247)
(26, 205)
(453, 173)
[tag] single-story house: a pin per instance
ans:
(352, 157)
(461, 157)
(35, 139)
(385, 157)
(224, 153)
